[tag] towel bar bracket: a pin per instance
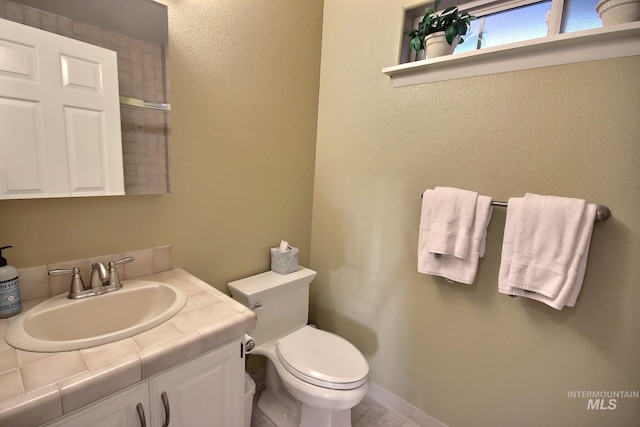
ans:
(602, 213)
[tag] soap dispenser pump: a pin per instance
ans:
(10, 301)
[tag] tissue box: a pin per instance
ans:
(284, 262)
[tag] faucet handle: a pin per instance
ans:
(125, 260)
(77, 284)
(113, 272)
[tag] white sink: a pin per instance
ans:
(62, 324)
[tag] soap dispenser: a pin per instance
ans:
(10, 301)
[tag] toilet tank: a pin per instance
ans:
(281, 301)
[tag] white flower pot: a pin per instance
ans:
(436, 45)
(614, 12)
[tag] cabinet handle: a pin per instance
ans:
(167, 411)
(140, 409)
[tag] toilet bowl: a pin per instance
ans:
(309, 383)
(313, 377)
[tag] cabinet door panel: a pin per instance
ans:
(85, 140)
(207, 391)
(118, 410)
(81, 74)
(21, 122)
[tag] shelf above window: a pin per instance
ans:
(598, 43)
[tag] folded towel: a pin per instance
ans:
(572, 284)
(545, 242)
(579, 264)
(451, 219)
(514, 207)
(450, 267)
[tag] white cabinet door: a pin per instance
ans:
(59, 116)
(207, 391)
(119, 410)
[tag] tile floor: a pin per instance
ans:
(369, 413)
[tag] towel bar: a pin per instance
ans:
(602, 212)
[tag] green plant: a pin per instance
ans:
(451, 21)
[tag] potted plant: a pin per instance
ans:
(439, 33)
(614, 12)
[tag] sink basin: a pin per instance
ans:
(62, 324)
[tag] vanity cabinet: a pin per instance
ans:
(205, 391)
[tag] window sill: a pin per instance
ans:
(598, 43)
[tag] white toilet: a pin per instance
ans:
(313, 377)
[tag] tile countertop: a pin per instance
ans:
(39, 387)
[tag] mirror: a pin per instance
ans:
(138, 31)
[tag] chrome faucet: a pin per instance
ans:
(99, 277)
(102, 279)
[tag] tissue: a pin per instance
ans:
(284, 258)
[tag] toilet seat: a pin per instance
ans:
(322, 359)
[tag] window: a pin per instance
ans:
(579, 15)
(513, 25)
(551, 32)
(509, 21)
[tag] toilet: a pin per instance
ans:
(313, 377)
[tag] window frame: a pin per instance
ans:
(486, 7)
(479, 8)
(555, 49)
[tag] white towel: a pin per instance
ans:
(545, 241)
(451, 219)
(570, 288)
(451, 267)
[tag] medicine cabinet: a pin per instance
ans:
(137, 31)
(59, 116)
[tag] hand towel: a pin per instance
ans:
(451, 219)
(451, 267)
(545, 242)
(570, 289)
(514, 206)
(575, 276)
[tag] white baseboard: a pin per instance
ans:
(402, 407)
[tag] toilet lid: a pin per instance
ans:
(323, 359)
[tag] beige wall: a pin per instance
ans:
(244, 108)
(466, 354)
(244, 78)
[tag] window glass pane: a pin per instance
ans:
(579, 15)
(523, 23)
(471, 39)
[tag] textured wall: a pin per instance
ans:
(466, 354)
(244, 111)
